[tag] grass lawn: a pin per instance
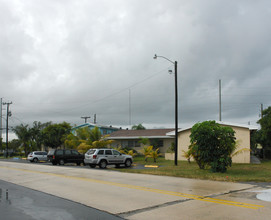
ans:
(236, 173)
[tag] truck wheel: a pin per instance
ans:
(61, 162)
(128, 163)
(103, 164)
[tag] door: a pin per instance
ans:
(44, 156)
(77, 157)
(109, 156)
(118, 157)
(68, 156)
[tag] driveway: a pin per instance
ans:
(138, 196)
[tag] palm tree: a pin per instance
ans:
(154, 154)
(37, 135)
(95, 134)
(24, 134)
(147, 152)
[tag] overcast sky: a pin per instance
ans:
(63, 59)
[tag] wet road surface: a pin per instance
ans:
(17, 202)
(137, 196)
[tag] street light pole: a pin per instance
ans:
(8, 115)
(176, 107)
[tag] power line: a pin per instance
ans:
(114, 93)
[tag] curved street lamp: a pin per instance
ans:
(176, 107)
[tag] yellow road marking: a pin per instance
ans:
(147, 189)
(151, 166)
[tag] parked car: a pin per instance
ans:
(104, 157)
(62, 156)
(37, 156)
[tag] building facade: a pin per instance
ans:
(242, 134)
(131, 139)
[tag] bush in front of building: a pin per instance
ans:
(212, 145)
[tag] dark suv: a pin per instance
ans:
(62, 156)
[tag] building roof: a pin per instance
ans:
(95, 125)
(250, 127)
(136, 134)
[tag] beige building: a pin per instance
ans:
(242, 134)
(131, 138)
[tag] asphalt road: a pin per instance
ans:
(137, 196)
(17, 202)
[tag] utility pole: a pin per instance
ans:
(220, 117)
(8, 115)
(1, 125)
(95, 119)
(130, 112)
(85, 117)
(176, 107)
(261, 111)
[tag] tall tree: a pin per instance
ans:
(14, 145)
(37, 134)
(264, 135)
(93, 139)
(54, 134)
(85, 136)
(95, 134)
(23, 133)
(138, 127)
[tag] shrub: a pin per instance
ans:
(212, 145)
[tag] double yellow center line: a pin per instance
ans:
(147, 189)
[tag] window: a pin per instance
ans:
(101, 152)
(108, 152)
(91, 151)
(59, 152)
(157, 143)
(68, 152)
(116, 152)
(124, 143)
(74, 152)
(133, 143)
(51, 152)
(160, 143)
(130, 143)
(137, 144)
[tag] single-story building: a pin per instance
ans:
(131, 138)
(242, 134)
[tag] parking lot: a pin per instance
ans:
(137, 196)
